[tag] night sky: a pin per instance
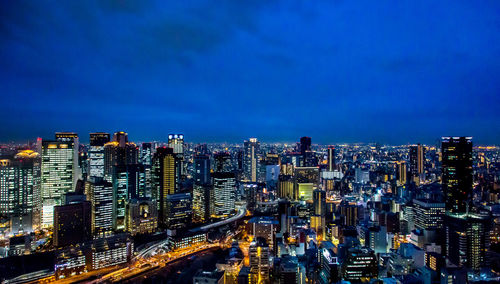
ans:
(338, 71)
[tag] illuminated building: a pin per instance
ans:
(96, 153)
(259, 261)
(142, 217)
(100, 194)
(164, 180)
(201, 202)
(264, 227)
(330, 268)
(222, 197)
(222, 162)
(349, 212)
(331, 158)
(286, 188)
(129, 181)
(417, 158)
(251, 159)
(111, 251)
(428, 214)
(146, 154)
(402, 172)
(119, 152)
(58, 174)
(72, 224)
(186, 240)
(457, 172)
(434, 261)
(20, 191)
(467, 239)
(305, 144)
(360, 265)
(176, 142)
(306, 181)
(179, 210)
(319, 213)
(201, 169)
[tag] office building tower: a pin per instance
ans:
(264, 227)
(305, 145)
(142, 216)
(96, 154)
(306, 181)
(286, 187)
(251, 159)
(428, 214)
(467, 239)
(119, 152)
(319, 213)
(100, 194)
(129, 182)
(179, 211)
(417, 158)
(20, 196)
(349, 212)
(222, 197)
(201, 202)
(201, 169)
(146, 154)
(457, 172)
(360, 265)
(165, 179)
(222, 162)
(401, 172)
(331, 158)
(259, 261)
(59, 173)
(176, 142)
(72, 224)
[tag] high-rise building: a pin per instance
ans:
(100, 194)
(20, 191)
(457, 172)
(428, 214)
(222, 197)
(417, 159)
(306, 181)
(319, 213)
(179, 211)
(467, 239)
(331, 158)
(119, 152)
(59, 172)
(286, 188)
(201, 202)
(251, 159)
(305, 145)
(201, 169)
(146, 154)
(259, 261)
(72, 224)
(96, 153)
(142, 216)
(349, 212)
(129, 182)
(165, 181)
(176, 142)
(222, 162)
(360, 265)
(401, 172)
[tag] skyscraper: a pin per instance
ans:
(146, 154)
(72, 224)
(59, 172)
(129, 182)
(457, 172)
(96, 153)
(164, 180)
(417, 162)
(201, 169)
(222, 197)
(331, 158)
(100, 194)
(251, 159)
(179, 211)
(401, 172)
(259, 261)
(176, 142)
(20, 191)
(319, 213)
(119, 152)
(305, 145)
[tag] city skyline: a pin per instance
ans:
(337, 71)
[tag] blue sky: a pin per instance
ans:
(338, 71)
